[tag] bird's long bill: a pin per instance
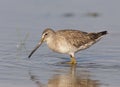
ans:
(38, 45)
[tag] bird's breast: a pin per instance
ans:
(58, 45)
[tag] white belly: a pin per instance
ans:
(59, 46)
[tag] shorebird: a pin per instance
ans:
(68, 41)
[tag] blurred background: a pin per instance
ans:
(21, 25)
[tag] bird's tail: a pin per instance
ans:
(101, 33)
(95, 36)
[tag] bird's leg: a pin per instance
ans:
(73, 60)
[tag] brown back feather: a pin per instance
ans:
(75, 37)
(78, 38)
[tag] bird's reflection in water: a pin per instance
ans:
(71, 79)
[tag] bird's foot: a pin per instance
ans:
(72, 62)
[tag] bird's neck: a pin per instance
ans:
(50, 40)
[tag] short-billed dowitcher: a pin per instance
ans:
(68, 41)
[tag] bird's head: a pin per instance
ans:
(47, 33)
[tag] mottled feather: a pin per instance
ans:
(79, 38)
(74, 37)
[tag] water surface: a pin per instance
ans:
(21, 25)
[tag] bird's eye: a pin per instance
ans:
(46, 34)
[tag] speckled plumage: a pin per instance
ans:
(68, 41)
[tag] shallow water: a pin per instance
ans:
(21, 25)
